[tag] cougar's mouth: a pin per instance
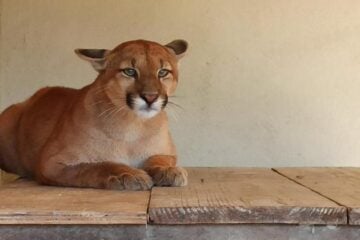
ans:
(144, 109)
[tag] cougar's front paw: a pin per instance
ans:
(169, 176)
(137, 181)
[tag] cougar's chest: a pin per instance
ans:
(134, 147)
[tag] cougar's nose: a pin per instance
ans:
(149, 98)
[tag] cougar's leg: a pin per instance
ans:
(107, 175)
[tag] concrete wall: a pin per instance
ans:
(265, 82)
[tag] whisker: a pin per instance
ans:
(173, 114)
(116, 111)
(110, 113)
(105, 111)
(174, 110)
(177, 105)
(105, 102)
(119, 110)
(98, 102)
(118, 98)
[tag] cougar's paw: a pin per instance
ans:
(170, 176)
(137, 181)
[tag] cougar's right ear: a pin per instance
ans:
(178, 47)
(97, 57)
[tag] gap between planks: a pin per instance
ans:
(341, 184)
(313, 190)
(317, 192)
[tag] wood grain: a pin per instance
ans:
(232, 195)
(339, 184)
(25, 202)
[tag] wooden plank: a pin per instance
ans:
(25, 202)
(339, 184)
(233, 195)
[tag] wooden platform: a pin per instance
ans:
(25, 202)
(341, 185)
(252, 199)
(228, 195)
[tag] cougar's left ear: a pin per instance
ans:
(97, 57)
(179, 47)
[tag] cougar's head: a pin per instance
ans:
(137, 75)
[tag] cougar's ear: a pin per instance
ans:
(97, 57)
(179, 47)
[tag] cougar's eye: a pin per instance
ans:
(163, 73)
(130, 72)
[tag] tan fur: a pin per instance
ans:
(91, 137)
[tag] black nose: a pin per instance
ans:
(149, 98)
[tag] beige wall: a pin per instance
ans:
(265, 83)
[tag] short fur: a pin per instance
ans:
(110, 134)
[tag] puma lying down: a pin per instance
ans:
(110, 134)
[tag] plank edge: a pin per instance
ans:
(233, 215)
